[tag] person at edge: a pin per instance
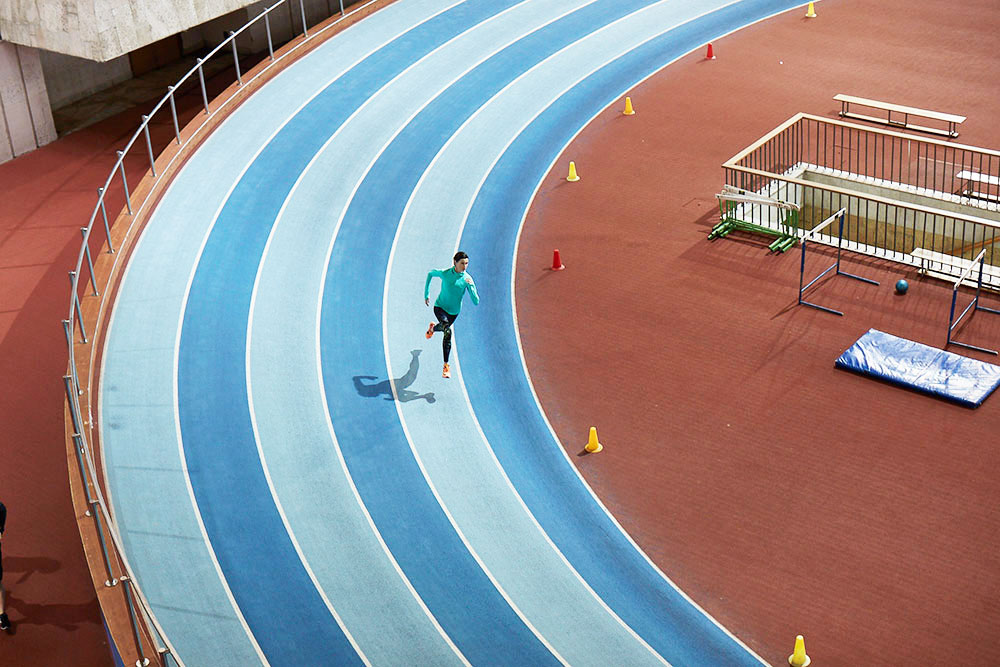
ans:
(455, 282)
(4, 621)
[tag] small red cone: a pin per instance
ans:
(557, 264)
(710, 55)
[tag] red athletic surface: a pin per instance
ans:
(786, 497)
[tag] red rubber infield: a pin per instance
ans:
(786, 497)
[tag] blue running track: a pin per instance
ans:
(294, 481)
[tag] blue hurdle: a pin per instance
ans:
(839, 215)
(974, 305)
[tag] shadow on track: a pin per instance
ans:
(384, 388)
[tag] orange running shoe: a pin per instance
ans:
(430, 331)
(446, 372)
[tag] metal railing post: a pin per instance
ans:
(236, 58)
(302, 9)
(90, 262)
(74, 415)
(67, 329)
(78, 446)
(149, 145)
(341, 7)
(204, 93)
(143, 660)
(110, 581)
(76, 305)
(104, 214)
(267, 29)
(173, 113)
(121, 163)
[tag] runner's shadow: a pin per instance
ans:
(68, 616)
(384, 388)
(29, 566)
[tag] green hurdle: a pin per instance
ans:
(785, 228)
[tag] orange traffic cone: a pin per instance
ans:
(557, 264)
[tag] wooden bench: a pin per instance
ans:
(971, 177)
(991, 274)
(951, 119)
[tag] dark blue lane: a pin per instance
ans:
(284, 610)
(500, 393)
(412, 523)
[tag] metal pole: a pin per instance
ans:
(236, 57)
(143, 660)
(149, 144)
(204, 93)
(78, 446)
(121, 163)
(69, 342)
(104, 213)
(110, 581)
(341, 7)
(90, 262)
(77, 422)
(267, 29)
(173, 112)
(302, 8)
(76, 305)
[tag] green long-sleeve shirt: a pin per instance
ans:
(453, 287)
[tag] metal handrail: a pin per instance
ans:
(140, 611)
(810, 158)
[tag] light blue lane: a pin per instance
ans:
(461, 467)
(292, 422)
(369, 429)
(290, 618)
(502, 398)
(146, 473)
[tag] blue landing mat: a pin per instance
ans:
(921, 367)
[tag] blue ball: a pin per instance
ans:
(902, 286)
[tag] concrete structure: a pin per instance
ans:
(25, 114)
(56, 52)
(104, 29)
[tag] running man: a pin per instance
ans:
(455, 281)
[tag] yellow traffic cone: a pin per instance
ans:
(593, 446)
(629, 111)
(572, 172)
(799, 657)
(810, 11)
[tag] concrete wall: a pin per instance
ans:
(25, 114)
(286, 22)
(69, 78)
(104, 29)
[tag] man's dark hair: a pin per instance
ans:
(459, 255)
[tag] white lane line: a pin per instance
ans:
(340, 219)
(176, 406)
(464, 218)
(527, 375)
(263, 459)
(176, 353)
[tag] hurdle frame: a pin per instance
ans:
(974, 304)
(839, 215)
(732, 197)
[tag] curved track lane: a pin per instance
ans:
(316, 494)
